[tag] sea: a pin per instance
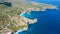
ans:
(48, 21)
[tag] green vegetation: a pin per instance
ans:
(12, 27)
(10, 18)
(5, 19)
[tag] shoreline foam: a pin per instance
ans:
(24, 29)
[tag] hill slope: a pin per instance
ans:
(10, 19)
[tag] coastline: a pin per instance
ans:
(24, 29)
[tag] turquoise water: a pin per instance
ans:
(48, 22)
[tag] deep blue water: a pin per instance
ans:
(48, 21)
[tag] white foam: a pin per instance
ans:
(21, 30)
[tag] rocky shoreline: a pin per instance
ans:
(11, 19)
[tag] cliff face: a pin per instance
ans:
(11, 19)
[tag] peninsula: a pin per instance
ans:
(11, 19)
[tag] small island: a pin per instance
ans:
(11, 19)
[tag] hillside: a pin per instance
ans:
(10, 19)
